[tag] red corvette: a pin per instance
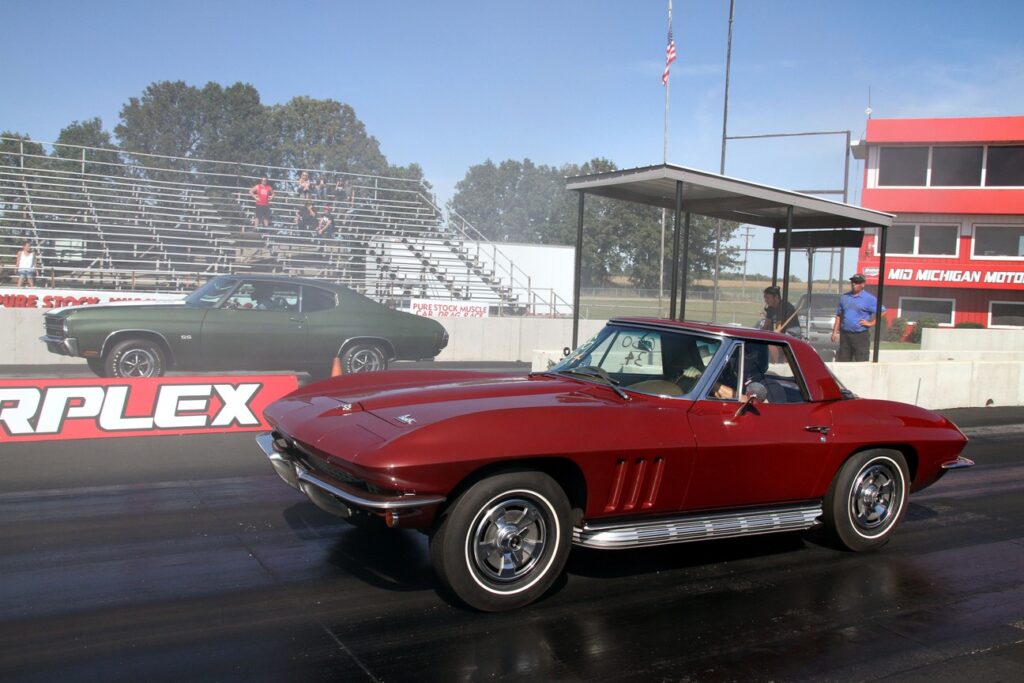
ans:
(652, 432)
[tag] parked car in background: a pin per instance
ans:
(653, 432)
(817, 321)
(236, 322)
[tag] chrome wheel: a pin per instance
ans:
(876, 495)
(867, 499)
(504, 541)
(363, 358)
(137, 363)
(508, 540)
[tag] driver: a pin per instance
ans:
(263, 297)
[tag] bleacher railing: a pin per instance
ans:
(183, 217)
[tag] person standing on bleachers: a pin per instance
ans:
(304, 187)
(262, 192)
(25, 265)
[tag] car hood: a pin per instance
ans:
(465, 414)
(134, 305)
(423, 398)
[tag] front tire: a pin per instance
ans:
(97, 366)
(867, 499)
(363, 358)
(504, 542)
(135, 358)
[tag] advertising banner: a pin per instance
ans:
(448, 309)
(39, 297)
(94, 408)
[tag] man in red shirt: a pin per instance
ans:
(262, 193)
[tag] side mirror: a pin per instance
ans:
(756, 393)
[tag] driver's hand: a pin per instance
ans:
(691, 372)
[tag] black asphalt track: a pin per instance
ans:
(185, 558)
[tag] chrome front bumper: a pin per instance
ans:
(64, 346)
(960, 463)
(335, 498)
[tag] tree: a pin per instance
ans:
(165, 121)
(324, 135)
(516, 201)
(235, 127)
(19, 150)
(519, 201)
(101, 157)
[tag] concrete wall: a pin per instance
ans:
(958, 369)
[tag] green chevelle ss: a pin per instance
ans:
(245, 323)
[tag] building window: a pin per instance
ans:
(999, 241)
(951, 166)
(939, 311)
(1006, 314)
(1005, 167)
(956, 166)
(922, 240)
(903, 166)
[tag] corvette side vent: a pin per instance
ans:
(635, 484)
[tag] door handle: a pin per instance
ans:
(821, 429)
(297, 320)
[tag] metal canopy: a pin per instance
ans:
(688, 191)
(709, 194)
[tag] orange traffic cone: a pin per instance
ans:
(336, 367)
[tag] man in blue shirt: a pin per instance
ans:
(855, 315)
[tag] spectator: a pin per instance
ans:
(309, 219)
(262, 192)
(341, 191)
(779, 315)
(304, 186)
(325, 226)
(855, 315)
(321, 188)
(25, 265)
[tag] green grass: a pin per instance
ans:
(741, 312)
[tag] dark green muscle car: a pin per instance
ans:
(245, 323)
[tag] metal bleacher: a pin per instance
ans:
(127, 226)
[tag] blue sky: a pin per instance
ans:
(451, 83)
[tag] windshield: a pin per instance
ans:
(209, 294)
(659, 362)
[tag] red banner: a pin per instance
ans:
(51, 409)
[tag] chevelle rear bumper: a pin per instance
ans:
(338, 498)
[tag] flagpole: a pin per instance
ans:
(664, 160)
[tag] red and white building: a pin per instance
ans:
(955, 251)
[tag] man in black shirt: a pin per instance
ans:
(779, 315)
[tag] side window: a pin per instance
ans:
(724, 386)
(264, 296)
(315, 299)
(769, 364)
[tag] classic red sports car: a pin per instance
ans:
(652, 432)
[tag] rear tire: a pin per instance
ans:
(363, 358)
(504, 542)
(135, 358)
(867, 499)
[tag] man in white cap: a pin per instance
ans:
(855, 315)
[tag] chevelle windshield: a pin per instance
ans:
(211, 293)
(658, 362)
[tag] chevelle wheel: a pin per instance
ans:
(363, 358)
(135, 358)
(867, 499)
(504, 541)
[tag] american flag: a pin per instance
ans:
(670, 56)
